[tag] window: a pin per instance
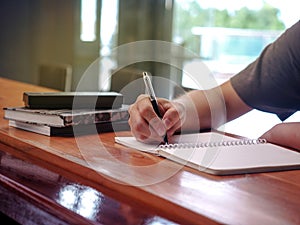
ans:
(109, 26)
(88, 17)
(228, 35)
(108, 41)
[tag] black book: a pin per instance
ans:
(72, 100)
(71, 131)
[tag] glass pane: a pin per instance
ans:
(108, 41)
(109, 26)
(88, 17)
(228, 35)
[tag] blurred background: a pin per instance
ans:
(71, 34)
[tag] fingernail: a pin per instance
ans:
(167, 123)
(161, 131)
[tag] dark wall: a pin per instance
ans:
(34, 31)
(15, 43)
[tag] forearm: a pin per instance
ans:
(284, 134)
(211, 108)
(202, 109)
(196, 110)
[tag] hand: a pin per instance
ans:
(146, 126)
(284, 134)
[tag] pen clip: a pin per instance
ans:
(149, 87)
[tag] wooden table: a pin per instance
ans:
(92, 180)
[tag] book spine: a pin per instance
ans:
(103, 117)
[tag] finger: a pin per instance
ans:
(146, 110)
(173, 116)
(143, 131)
(175, 128)
(138, 126)
(147, 139)
(144, 123)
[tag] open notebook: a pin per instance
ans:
(219, 154)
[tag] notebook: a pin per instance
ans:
(219, 154)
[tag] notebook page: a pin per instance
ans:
(184, 138)
(131, 142)
(222, 154)
(236, 158)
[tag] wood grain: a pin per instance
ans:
(157, 186)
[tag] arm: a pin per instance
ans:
(191, 112)
(285, 134)
(214, 107)
(270, 83)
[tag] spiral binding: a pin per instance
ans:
(214, 144)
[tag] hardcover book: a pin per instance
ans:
(71, 100)
(66, 117)
(71, 130)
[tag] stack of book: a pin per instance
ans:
(69, 113)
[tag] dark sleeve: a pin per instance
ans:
(272, 82)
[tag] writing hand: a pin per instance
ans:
(146, 126)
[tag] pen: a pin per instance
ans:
(150, 91)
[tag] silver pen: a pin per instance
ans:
(152, 96)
